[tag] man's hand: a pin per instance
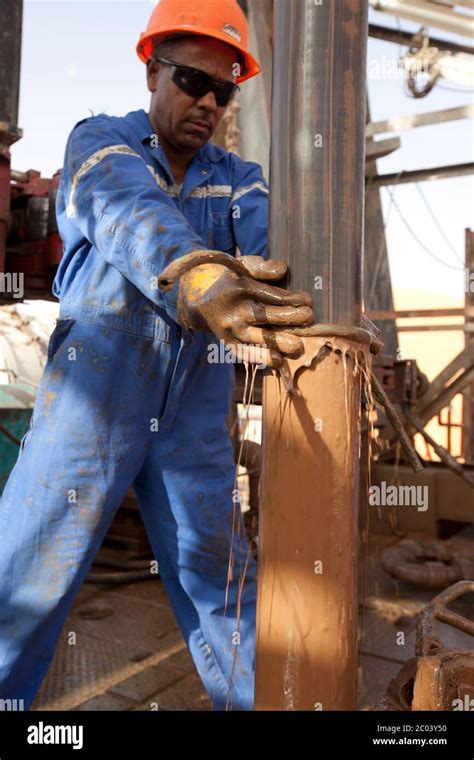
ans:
(245, 310)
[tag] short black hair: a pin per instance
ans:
(167, 47)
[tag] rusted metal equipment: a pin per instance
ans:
(468, 398)
(400, 37)
(445, 456)
(429, 562)
(306, 615)
(377, 285)
(402, 379)
(30, 245)
(439, 677)
(417, 401)
(34, 247)
(400, 432)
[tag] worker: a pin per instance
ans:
(128, 397)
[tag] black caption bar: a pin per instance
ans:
(143, 734)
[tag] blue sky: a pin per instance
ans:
(79, 57)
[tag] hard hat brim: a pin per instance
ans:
(148, 41)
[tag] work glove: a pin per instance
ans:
(245, 310)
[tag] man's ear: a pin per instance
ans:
(152, 69)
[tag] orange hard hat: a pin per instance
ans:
(221, 19)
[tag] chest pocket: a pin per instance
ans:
(221, 236)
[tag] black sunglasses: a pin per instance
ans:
(197, 83)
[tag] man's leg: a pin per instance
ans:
(89, 436)
(192, 516)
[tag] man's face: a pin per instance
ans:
(184, 122)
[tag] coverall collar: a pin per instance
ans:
(203, 161)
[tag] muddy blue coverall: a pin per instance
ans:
(129, 398)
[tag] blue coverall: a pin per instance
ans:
(127, 398)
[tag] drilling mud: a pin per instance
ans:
(307, 612)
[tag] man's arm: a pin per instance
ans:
(110, 193)
(246, 309)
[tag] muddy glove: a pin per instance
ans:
(244, 308)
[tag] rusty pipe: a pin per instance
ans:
(17, 176)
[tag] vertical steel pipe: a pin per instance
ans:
(317, 150)
(11, 15)
(306, 655)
